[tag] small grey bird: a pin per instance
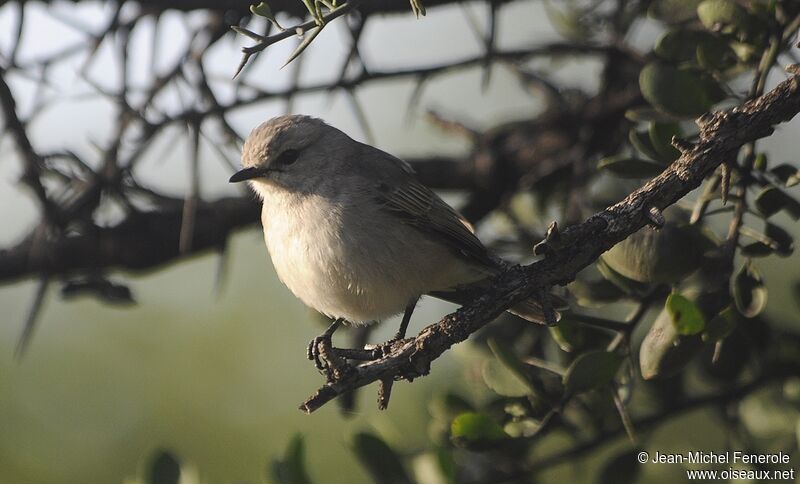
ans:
(353, 233)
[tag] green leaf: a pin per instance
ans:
(647, 113)
(772, 200)
(715, 54)
(641, 141)
(502, 381)
(705, 48)
(622, 467)
(787, 174)
(678, 91)
(262, 10)
(292, 468)
(745, 52)
(510, 376)
(447, 465)
(591, 370)
(678, 45)
(768, 417)
(570, 22)
(446, 406)
(686, 316)
(165, 469)
(593, 293)
(673, 11)
(774, 240)
(661, 137)
(796, 293)
(667, 255)
(760, 162)
(629, 286)
(567, 334)
(381, 461)
(663, 351)
(475, 431)
(791, 390)
(797, 432)
(721, 15)
(749, 292)
(720, 326)
(626, 167)
(523, 427)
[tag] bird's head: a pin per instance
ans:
(294, 152)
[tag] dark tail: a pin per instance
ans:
(529, 309)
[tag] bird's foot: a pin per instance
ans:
(321, 348)
(318, 350)
(329, 361)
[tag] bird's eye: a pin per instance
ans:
(287, 157)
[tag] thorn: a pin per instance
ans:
(682, 145)
(416, 95)
(624, 416)
(384, 393)
(360, 115)
(552, 234)
(717, 352)
(656, 217)
(551, 238)
(305, 42)
(489, 46)
(452, 126)
(704, 119)
(30, 320)
(245, 57)
(550, 316)
(418, 8)
(725, 181)
(541, 248)
(247, 33)
(221, 271)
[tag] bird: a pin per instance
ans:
(354, 234)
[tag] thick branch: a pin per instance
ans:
(721, 135)
(143, 241)
(15, 126)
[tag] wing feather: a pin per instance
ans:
(417, 205)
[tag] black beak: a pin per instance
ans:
(247, 174)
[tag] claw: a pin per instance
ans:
(313, 353)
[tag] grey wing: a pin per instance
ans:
(417, 205)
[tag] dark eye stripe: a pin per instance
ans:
(287, 157)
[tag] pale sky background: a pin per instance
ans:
(217, 379)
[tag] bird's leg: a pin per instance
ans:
(401, 332)
(385, 390)
(385, 348)
(314, 352)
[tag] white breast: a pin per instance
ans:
(368, 271)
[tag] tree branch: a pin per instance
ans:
(33, 171)
(291, 7)
(721, 135)
(144, 240)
